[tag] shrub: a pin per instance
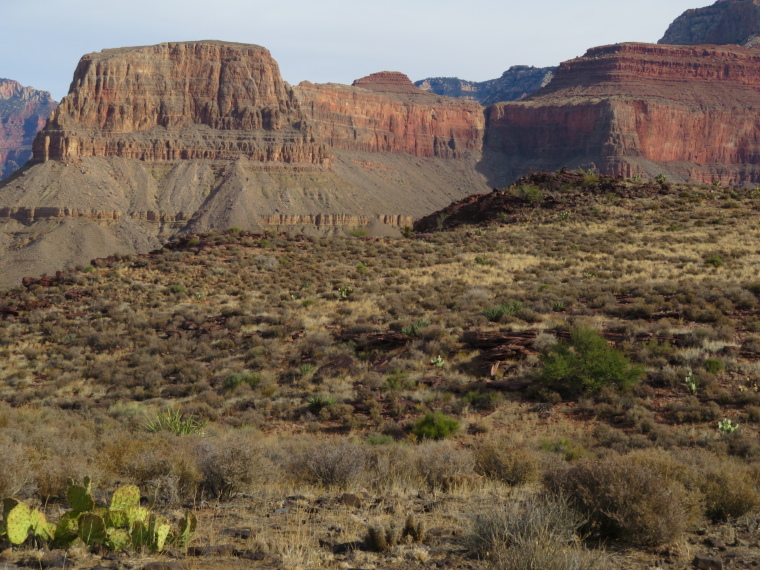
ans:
(442, 466)
(713, 365)
(715, 261)
(435, 426)
(238, 378)
(494, 314)
(587, 364)
(229, 466)
(625, 499)
(416, 327)
(511, 465)
(331, 464)
(174, 421)
(541, 533)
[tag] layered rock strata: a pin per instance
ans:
(189, 137)
(725, 22)
(181, 101)
(627, 109)
(23, 112)
(386, 113)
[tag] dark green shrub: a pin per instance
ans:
(238, 378)
(715, 261)
(435, 426)
(587, 364)
(713, 365)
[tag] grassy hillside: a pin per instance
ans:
(567, 356)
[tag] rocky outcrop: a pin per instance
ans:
(23, 112)
(725, 22)
(336, 220)
(181, 101)
(386, 113)
(517, 83)
(627, 109)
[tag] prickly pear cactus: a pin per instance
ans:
(66, 529)
(125, 498)
(186, 530)
(80, 496)
(18, 523)
(137, 514)
(92, 529)
(40, 526)
(118, 539)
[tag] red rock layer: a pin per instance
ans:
(636, 108)
(387, 82)
(336, 220)
(207, 99)
(23, 112)
(405, 120)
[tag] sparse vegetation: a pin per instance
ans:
(292, 383)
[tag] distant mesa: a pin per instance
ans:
(725, 22)
(518, 82)
(387, 82)
(23, 112)
(688, 112)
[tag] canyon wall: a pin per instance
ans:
(627, 109)
(518, 82)
(181, 101)
(386, 113)
(23, 112)
(725, 22)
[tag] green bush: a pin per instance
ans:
(713, 365)
(587, 364)
(435, 426)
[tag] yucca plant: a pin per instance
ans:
(175, 422)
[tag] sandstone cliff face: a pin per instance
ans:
(725, 22)
(180, 101)
(23, 112)
(385, 112)
(688, 112)
(517, 83)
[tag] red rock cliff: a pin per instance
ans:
(171, 101)
(690, 112)
(23, 112)
(385, 112)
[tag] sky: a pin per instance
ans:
(330, 40)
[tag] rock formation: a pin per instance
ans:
(627, 109)
(207, 100)
(186, 137)
(23, 112)
(725, 22)
(517, 83)
(385, 112)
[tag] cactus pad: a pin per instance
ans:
(118, 539)
(40, 526)
(137, 514)
(17, 523)
(92, 529)
(80, 498)
(124, 498)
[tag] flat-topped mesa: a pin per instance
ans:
(387, 82)
(23, 112)
(725, 22)
(386, 112)
(689, 112)
(179, 101)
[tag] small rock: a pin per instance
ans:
(244, 533)
(217, 550)
(165, 565)
(351, 500)
(251, 554)
(281, 511)
(707, 563)
(714, 542)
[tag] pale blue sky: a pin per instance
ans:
(330, 40)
